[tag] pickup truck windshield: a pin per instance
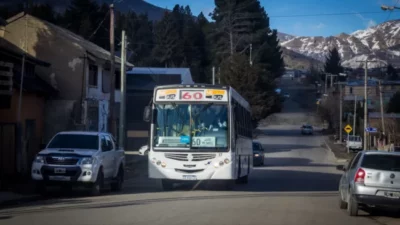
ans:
(75, 141)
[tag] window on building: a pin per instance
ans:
(351, 90)
(93, 76)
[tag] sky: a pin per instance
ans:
(309, 17)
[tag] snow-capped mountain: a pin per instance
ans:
(380, 43)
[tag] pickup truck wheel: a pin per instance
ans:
(117, 184)
(98, 185)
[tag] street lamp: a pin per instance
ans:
(390, 8)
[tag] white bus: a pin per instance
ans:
(199, 132)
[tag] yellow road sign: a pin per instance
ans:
(348, 128)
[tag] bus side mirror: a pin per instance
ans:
(147, 114)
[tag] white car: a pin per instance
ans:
(90, 159)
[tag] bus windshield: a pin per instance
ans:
(193, 126)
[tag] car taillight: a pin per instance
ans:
(360, 175)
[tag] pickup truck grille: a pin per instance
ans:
(178, 157)
(60, 160)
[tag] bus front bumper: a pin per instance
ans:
(210, 172)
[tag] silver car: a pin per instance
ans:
(370, 180)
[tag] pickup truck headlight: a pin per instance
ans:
(88, 161)
(39, 159)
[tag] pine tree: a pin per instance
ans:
(168, 43)
(80, 16)
(244, 22)
(333, 62)
(246, 79)
(392, 73)
(394, 103)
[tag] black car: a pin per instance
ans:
(258, 154)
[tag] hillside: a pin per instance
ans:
(380, 43)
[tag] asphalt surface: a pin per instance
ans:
(297, 185)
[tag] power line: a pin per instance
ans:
(390, 13)
(327, 14)
(98, 27)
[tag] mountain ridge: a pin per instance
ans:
(379, 43)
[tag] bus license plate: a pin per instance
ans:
(390, 194)
(189, 177)
(59, 178)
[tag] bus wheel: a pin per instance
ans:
(229, 184)
(167, 185)
(243, 180)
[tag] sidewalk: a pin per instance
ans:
(23, 191)
(339, 150)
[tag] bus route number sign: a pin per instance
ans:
(192, 95)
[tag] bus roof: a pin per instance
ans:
(233, 93)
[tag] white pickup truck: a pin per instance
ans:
(91, 159)
(354, 142)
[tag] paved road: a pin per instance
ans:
(297, 185)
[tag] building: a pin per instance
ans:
(140, 86)
(356, 88)
(23, 132)
(79, 70)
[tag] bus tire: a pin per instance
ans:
(243, 180)
(167, 185)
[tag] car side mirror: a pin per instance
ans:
(147, 114)
(341, 167)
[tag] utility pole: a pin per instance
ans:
(355, 115)
(365, 101)
(326, 82)
(112, 124)
(381, 103)
(20, 157)
(123, 93)
(250, 57)
(213, 75)
(341, 113)
(219, 75)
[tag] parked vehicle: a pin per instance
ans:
(307, 129)
(371, 179)
(90, 159)
(258, 154)
(354, 142)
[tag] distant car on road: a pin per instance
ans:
(258, 154)
(286, 95)
(307, 129)
(370, 180)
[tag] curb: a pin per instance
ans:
(338, 160)
(8, 203)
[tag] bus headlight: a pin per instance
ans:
(163, 164)
(216, 165)
(226, 161)
(158, 163)
(221, 163)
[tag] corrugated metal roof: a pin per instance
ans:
(186, 76)
(91, 48)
